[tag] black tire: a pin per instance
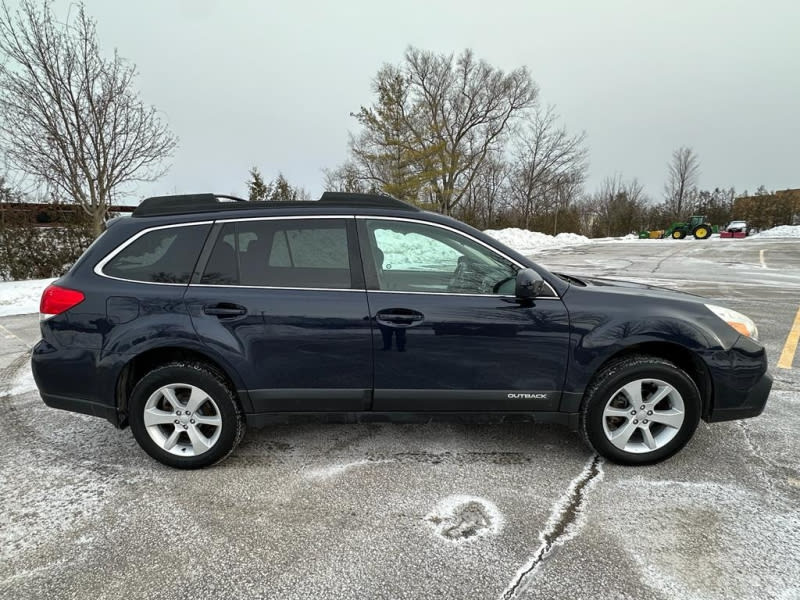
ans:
(678, 234)
(610, 380)
(210, 381)
(702, 231)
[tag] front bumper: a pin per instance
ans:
(741, 381)
(753, 403)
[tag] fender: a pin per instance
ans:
(154, 334)
(598, 334)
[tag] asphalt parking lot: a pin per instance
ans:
(433, 511)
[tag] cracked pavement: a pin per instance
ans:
(433, 511)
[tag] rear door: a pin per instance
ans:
(283, 299)
(449, 334)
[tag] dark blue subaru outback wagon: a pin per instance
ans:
(199, 316)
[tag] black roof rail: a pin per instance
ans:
(366, 200)
(197, 203)
(184, 203)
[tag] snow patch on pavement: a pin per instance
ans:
(16, 378)
(33, 517)
(461, 518)
(690, 544)
(334, 470)
(21, 297)
(526, 242)
(22, 383)
(782, 231)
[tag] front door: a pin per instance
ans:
(448, 332)
(283, 301)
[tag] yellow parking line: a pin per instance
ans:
(10, 335)
(790, 347)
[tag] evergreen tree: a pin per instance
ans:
(258, 191)
(282, 191)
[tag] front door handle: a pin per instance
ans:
(225, 310)
(400, 318)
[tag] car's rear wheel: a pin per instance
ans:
(640, 410)
(185, 415)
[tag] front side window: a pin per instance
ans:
(415, 257)
(160, 256)
(302, 253)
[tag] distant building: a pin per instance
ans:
(769, 210)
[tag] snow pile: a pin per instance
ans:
(782, 231)
(410, 250)
(526, 242)
(21, 297)
(414, 251)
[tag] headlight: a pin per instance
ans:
(737, 320)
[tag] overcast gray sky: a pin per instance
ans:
(272, 83)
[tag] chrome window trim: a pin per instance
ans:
(466, 235)
(98, 268)
(319, 289)
(457, 294)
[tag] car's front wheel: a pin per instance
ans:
(185, 415)
(640, 410)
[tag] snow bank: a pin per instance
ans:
(527, 242)
(782, 231)
(414, 251)
(21, 297)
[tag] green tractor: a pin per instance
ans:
(697, 226)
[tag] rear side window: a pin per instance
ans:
(160, 256)
(298, 253)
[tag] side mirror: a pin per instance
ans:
(529, 284)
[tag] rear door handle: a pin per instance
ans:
(225, 310)
(399, 317)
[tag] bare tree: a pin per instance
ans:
(568, 191)
(487, 194)
(681, 187)
(438, 117)
(619, 207)
(70, 117)
(347, 178)
(548, 163)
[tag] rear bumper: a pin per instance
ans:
(68, 379)
(85, 407)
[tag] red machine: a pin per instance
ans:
(734, 229)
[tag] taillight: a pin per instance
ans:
(56, 300)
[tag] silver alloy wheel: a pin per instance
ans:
(643, 415)
(182, 419)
